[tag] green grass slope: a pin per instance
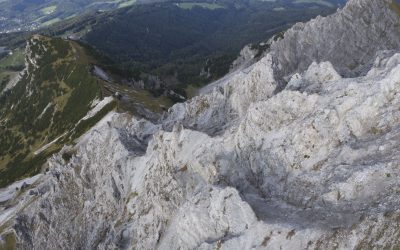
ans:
(53, 94)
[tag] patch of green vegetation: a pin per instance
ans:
(260, 48)
(4, 79)
(67, 155)
(376, 131)
(13, 62)
(9, 241)
(85, 125)
(191, 90)
(10, 65)
(394, 5)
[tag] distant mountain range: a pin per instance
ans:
(33, 14)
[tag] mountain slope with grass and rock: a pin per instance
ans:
(299, 150)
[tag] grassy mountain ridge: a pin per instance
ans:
(41, 112)
(55, 99)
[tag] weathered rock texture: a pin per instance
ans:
(305, 161)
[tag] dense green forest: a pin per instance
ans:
(177, 44)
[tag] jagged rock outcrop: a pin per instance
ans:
(349, 39)
(250, 164)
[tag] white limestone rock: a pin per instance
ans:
(348, 39)
(312, 79)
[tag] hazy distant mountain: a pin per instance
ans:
(18, 15)
(31, 14)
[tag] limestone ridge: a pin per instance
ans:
(348, 39)
(242, 166)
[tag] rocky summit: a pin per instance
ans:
(299, 150)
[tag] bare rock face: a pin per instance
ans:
(348, 39)
(246, 57)
(249, 164)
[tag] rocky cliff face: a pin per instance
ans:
(298, 151)
(348, 39)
